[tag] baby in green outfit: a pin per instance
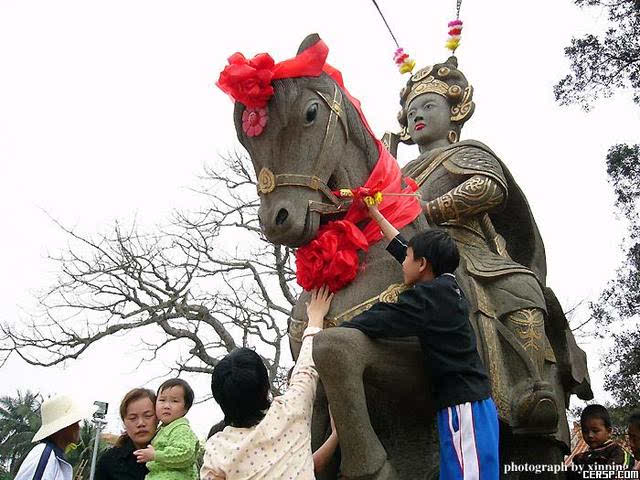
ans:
(173, 451)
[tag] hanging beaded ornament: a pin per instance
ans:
(403, 61)
(455, 29)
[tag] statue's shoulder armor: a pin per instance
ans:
(471, 160)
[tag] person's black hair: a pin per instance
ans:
(240, 385)
(178, 382)
(595, 411)
(634, 419)
(438, 248)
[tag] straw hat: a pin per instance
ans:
(60, 412)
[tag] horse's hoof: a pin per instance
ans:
(536, 412)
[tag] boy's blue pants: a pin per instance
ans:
(469, 441)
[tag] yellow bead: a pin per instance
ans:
(452, 44)
(407, 66)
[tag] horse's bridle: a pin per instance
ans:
(268, 181)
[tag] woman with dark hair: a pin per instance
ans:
(263, 439)
(138, 413)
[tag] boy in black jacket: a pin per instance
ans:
(435, 310)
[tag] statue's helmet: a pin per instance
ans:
(444, 79)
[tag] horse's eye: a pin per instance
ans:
(312, 113)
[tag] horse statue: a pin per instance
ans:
(314, 144)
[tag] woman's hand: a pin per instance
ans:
(145, 455)
(318, 307)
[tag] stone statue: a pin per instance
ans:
(315, 143)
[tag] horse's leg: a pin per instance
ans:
(341, 356)
(320, 431)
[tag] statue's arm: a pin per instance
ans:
(477, 194)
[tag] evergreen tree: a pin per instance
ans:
(600, 66)
(19, 421)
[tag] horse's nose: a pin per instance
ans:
(282, 215)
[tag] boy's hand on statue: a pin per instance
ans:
(145, 455)
(318, 307)
(373, 211)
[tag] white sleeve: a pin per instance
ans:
(301, 393)
(29, 467)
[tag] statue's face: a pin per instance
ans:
(428, 118)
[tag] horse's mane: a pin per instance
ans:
(287, 90)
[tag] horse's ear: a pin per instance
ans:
(308, 42)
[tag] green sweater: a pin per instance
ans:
(176, 449)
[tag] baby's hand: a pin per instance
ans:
(145, 455)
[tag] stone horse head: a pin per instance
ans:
(313, 143)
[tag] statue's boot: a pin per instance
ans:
(535, 406)
(536, 410)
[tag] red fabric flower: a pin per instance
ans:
(254, 120)
(332, 257)
(248, 81)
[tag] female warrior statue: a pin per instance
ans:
(469, 192)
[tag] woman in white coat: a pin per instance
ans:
(61, 417)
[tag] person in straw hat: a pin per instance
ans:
(61, 417)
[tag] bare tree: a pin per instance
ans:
(209, 280)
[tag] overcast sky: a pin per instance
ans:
(108, 111)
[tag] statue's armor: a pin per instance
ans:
(458, 193)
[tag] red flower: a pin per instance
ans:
(248, 81)
(332, 257)
(254, 120)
